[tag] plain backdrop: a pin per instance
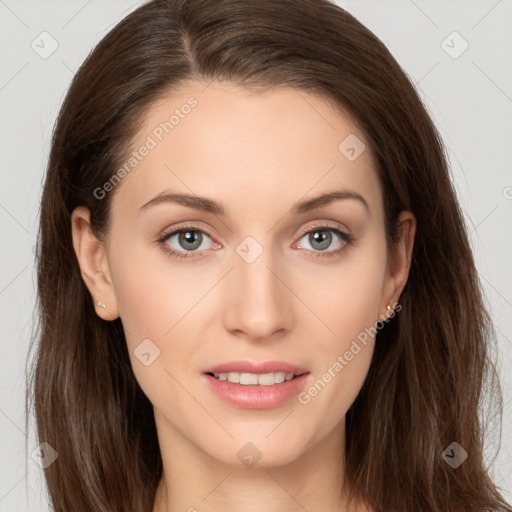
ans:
(459, 55)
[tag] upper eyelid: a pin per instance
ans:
(166, 233)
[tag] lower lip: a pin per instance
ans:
(256, 396)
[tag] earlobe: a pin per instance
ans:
(93, 262)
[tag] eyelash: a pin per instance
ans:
(345, 237)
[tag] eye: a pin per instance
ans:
(320, 238)
(185, 241)
(188, 241)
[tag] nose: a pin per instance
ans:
(258, 302)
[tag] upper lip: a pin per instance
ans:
(246, 366)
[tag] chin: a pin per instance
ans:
(258, 452)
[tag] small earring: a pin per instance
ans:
(101, 304)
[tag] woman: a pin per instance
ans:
(322, 343)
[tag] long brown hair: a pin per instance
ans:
(431, 367)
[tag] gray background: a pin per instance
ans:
(469, 97)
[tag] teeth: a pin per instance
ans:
(248, 379)
(233, 377)
(268, 379)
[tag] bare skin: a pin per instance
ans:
(257, 155)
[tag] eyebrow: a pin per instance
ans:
(211, 206)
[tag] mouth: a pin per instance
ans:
(256, 379)
(256, 385)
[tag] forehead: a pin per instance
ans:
(252, 151)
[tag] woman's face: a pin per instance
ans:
(248, 284)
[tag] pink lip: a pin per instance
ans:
(256, 396)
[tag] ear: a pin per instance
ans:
(399, 263)
(93, 262)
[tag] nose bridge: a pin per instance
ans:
(258, 305)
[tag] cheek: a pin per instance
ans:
(151, 294)
(151, 300)
(160, 304)
(347, 299)
(349, 306)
